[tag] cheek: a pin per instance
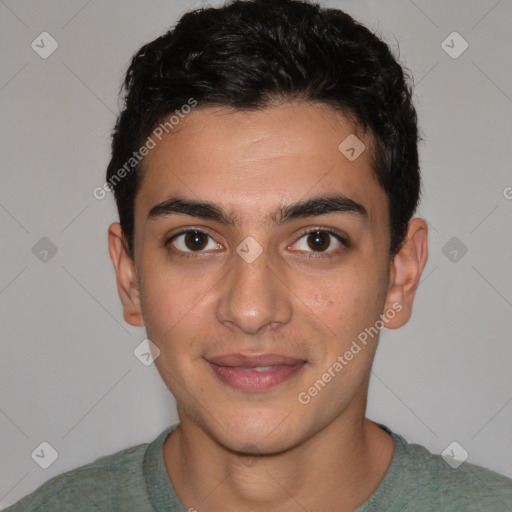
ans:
(347, 302)
(174, 310)
(178, 311)
(169, 301)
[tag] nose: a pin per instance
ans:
(253, 296)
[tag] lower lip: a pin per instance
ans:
(251, 380)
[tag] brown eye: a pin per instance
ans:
(321, 241)
(195, 240)
(192, 240)
(318, 240)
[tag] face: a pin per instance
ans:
(251, 284)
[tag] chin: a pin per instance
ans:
(257, 431)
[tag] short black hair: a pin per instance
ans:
(250, 54)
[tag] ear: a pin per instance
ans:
(124, 266)
(405, 273)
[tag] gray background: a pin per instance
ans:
(68, 373)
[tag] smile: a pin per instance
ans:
(257, 373)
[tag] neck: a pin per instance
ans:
(336, 469)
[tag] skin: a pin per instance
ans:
(243, 450)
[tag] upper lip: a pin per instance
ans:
(243, 361)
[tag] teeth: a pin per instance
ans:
(258, 369)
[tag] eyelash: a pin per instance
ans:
(311, 254)
(327, 254)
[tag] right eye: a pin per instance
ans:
(192, 240)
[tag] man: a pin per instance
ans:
(265, 170)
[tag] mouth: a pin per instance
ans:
(255, 373)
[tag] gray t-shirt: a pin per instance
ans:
(136, 479)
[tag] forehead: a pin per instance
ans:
(253, 161)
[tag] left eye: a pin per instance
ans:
(319, 241)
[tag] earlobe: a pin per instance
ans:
(127, 285)
(405, 274)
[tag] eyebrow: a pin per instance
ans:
(321, 205)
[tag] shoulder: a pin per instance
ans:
(101, 484)
(449, 484)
